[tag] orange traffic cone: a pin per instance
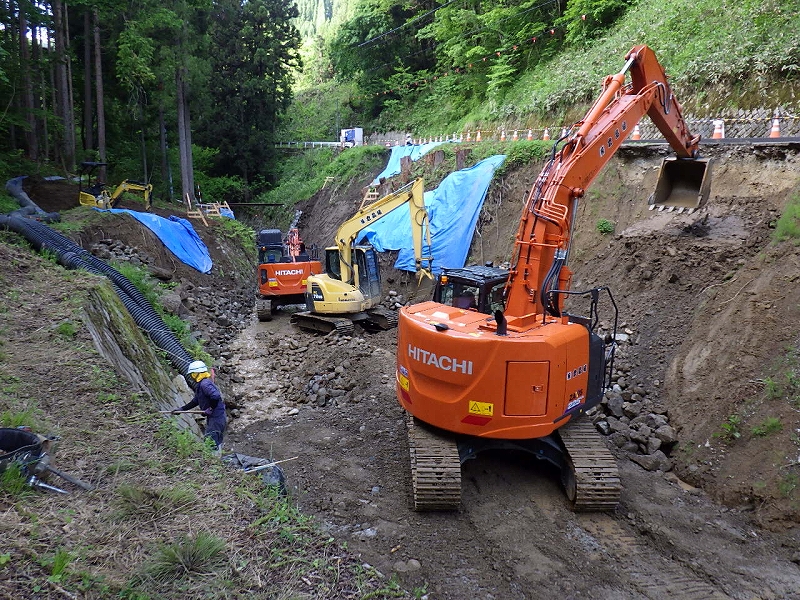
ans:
(637, 134)
(719, 129)
(469, 136)
(775, 132)
(503, 135)
(530, 134)
(478, 136)
(546, 134)
(563, 132)
(515, 137)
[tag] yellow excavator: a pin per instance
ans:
(350, 289)
(92, 192)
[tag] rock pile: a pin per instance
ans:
(636, 423)
(216, 313)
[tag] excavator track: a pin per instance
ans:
(435, 468)
(264, 309)
(308, 320)
(590, 477)
(383, 318)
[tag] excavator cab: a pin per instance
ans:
(474, 287)
(683, 184)
(91, 191)
(365, 260)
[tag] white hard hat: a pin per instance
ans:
(197, 366)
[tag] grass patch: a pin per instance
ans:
(203, 553)
(788, 225)
(57, 564)
(14, 482)
(27, 416)
(182, 442)
(770, 425)
(138, 501)
(788, 484)
(67, 329)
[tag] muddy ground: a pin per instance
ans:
(710, 302)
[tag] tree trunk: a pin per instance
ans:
(31, 140)
(88, 104)
(62, 84)
(186, 188)
(42, 131)
(101, 115)
(166, 171)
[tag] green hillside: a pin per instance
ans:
(432, 70)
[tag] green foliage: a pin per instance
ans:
(770, 425)
(222, 189)
(788, 224)
(587, 19)
(730, 429)
(238, 233)
(605, 226)
(302, 176)
(187, 556)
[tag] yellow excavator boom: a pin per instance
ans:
(411, 193)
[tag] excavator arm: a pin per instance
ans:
(132, 186)
(543, 239)
(411, 194)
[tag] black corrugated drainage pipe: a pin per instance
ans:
(72, 256)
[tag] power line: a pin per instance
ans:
(411, 22)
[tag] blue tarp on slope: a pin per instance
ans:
(415, 151)
(453, 209)
(176, 234)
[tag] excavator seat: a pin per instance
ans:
(683, 184)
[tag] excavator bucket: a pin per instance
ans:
(683, 184)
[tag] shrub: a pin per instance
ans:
(605, 226)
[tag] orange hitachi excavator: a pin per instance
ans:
(521, 374)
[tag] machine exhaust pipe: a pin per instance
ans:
(683, 184)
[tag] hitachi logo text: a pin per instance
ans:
(290, 272)
(446, 363)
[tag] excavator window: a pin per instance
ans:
(496, 300)
(460, 295)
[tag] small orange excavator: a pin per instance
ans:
(284, 266)
(519, 371)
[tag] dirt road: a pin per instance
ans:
(514, 537)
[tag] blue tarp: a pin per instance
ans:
(176, 234)
(453, 209)
(415, 151)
